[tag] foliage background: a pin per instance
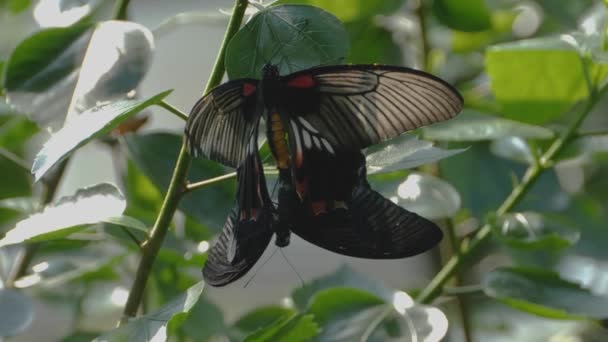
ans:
(538, 63)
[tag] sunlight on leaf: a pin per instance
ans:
(91, 124)
(423, 194)
(404, 152)
(89, 205)
(156, 326)
(61, 13)
(513, 148)
(475, 126)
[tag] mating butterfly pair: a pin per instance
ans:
(317, 122)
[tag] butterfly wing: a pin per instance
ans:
(247, 230)
(368, 225)
(222, 122)
(355, 106)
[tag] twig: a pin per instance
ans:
(173, 110)
(177, 185)
(434, 288)
(204, 183)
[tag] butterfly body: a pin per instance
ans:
(317, 122)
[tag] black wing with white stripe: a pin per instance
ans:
(355, 106)
(247, 231)
(221, 123)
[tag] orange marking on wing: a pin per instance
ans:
(302, 81)
(318, 207)
(248, 89)
(299, 159)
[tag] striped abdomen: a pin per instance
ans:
(278, 141)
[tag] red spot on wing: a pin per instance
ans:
(302, 81)
(248, 89)
(318, 207)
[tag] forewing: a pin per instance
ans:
(355, 106)
(247, 230)
(221, 123)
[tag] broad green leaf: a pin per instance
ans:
(298, 328)
(65, 71)
(16, 310)
(205, 320)
(513, 148)
(467, 15)
(475, 126)
(91, 124)
(343, 277)
(350, 10)
(534, 239)
(371, 43)
(155, 155)
(537, 80)
(544, 293)
(35, 69)
(423, 194)
(294, 37)
(158, 325)
(17, 6)
(404, 152)
(71, 213)
(127, 222)
(262, 317)
(565, 12)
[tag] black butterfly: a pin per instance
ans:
(317, 120)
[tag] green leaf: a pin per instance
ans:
(71, 213)
(294, 37)
(17, 6)
(345, 276)
(204, 321)
(155, 154)
(158, 325)
(371, 43)
(469, 15)
(297, 328)
(544, 293)
(350, 10)
(65, 71)
(30, 66)
(17, 311)
(127, 222)
(536, 80)
(423, 194)
(89, 125)
(404, 152)
(534, 239)
(475, 126)
(513, 148)
(262, 317)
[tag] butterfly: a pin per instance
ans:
(317, 122)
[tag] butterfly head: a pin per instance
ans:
(270, 71)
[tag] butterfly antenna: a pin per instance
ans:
(293, 268)
(259, 268)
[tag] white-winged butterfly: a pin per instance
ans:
(317, 121)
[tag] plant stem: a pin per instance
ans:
(176, 189)
(434, 288)
(173, 110)
(120, 10)
(206, 182)
(24, 258)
